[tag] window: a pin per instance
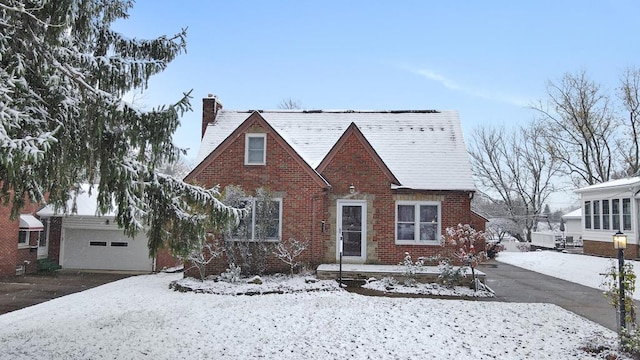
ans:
(587, 214)
(23, 238)
(615, 212)
(626, 214)
(605, 215)
(255, 149)
(417, 222)
(119, 244)
(263, 222)
(97, 243)
(596, 214)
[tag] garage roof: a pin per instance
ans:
(86, 204)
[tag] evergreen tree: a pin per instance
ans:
(63, 72)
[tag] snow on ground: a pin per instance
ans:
(582, 269)
(141, 318)
(387, 285)
(269, 285)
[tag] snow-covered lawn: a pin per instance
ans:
(141, 318)
(388, 285)
(581, 269)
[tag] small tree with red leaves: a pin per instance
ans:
(464, 238)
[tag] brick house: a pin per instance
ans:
(385, 182)
(22, 241)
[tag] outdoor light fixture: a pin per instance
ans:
(619, 240)
(620, 243)
(352, 189)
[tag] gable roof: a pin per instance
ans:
(423, 149)
(575, 214)
(353, 130)
(256, 118)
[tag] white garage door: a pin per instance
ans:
(104, 250)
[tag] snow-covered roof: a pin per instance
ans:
(423, 149)
(575, 214)
(613, 184)
(86, 205)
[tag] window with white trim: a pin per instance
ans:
(587, 214)
(596, 214)
(615, 214)
(262, 223)
(23, 238)
(626, 214)
(418, 222)
(608, 214)
(255, 149)
(605, 215)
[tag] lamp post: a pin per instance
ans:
(620, 243)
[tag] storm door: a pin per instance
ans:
(352, 229)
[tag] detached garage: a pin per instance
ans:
(91, 242)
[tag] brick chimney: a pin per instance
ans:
(210, 108)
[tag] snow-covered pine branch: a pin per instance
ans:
(63, 123)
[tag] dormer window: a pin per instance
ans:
(255, 149)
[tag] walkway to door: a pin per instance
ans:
(514, 284)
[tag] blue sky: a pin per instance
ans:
(488, 60)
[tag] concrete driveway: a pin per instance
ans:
(17, 292)
(514, 284)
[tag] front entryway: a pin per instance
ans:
(351, 230)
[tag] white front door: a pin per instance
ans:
(43, 240)
(352, 230)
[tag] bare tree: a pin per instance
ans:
(514, 171)
(578, 128)
(289, 104)
(178, 168)
(289, 251)
(629, 143)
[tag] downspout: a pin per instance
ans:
(635, 207)
(313, 225)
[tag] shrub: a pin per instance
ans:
(450, 275)
(232, 274)
(464, 239)
(409, 269)
(493, 249)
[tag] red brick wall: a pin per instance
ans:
(55, 234)
(8, 242)
(165, 260)
(303, 198)
(478, 222)
(10, 255)
(210, 108)
(603, 248)
(29, 256)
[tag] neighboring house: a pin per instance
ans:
(607, 208)
(386, 182)
(83, 240)
(573, 227)
(22, 241)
